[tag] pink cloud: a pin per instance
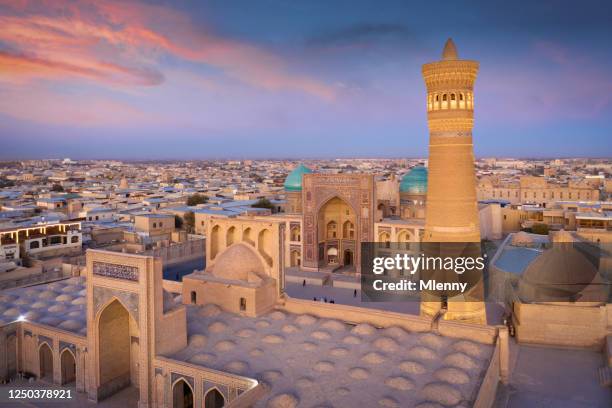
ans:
(120, 42)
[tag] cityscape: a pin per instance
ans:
(297, 204)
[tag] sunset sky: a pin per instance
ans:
(288, 78)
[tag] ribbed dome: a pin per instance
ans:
(415, 181)
(293, 182)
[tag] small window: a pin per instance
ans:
(34, 245)
(452, 97)
(161, 224)
(74, 239)
(242, 304)
(154, 225)
(444, 97)
(194, 297)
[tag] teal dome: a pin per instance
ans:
(415, 181)
(293, 182)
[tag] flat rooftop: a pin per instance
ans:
(323, 362)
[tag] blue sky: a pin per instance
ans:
(300, 79)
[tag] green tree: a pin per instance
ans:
(189, 221)
(57, 188)
(541, 229)
(196, 199)
(263, 203)
(178, 222)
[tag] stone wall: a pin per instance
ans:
(568, 325)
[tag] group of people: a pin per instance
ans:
(323, 299)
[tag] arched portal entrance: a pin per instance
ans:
(214, 399)
(182, 395)
(348, 257)
(336, 231)
(295, 258)
(45, 356)
(68, 365)
(114, 341)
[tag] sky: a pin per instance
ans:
(296, 79)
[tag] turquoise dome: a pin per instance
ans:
(415, 181)
(293, 182)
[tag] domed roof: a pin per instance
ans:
(238, 262)
(561, 274)
(415, 181)
(293, 182)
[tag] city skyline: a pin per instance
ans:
(283, 80)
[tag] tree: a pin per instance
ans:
(189, 221)
(540, 229)
(263, 203)
(178, 222)
(196, 199)
(57, 188)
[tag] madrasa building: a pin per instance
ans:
(230, 336)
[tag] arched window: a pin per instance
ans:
(444, 97)
(385, 239)
(332, 229)
(452, 97)
(295, 234)
(348, 230)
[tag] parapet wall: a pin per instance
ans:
(353, 314)
(568, 325)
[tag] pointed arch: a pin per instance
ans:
(215, 241)
(45, 360)
(230, 236)
(214, 398)
(112, 327)
(247, 236)
(67, 366)
(182, 394)
(264, 244)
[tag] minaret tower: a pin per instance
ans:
(452, 212)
